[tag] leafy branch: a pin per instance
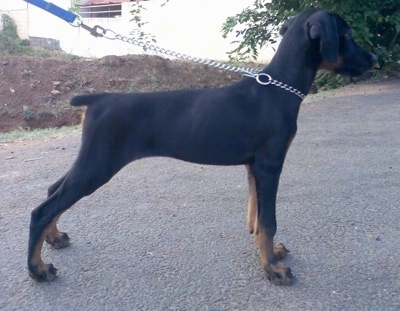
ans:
(375, 24)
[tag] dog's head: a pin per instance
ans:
(332, 36)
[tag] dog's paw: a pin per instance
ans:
(280, 251)
(60, 240)
(279, 274)
(43, 273)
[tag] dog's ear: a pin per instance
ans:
(286, 25)
(322, 25)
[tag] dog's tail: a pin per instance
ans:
(86, 99)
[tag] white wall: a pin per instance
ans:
(185, 26)
(18, 10)
(194, 27)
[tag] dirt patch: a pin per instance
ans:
(35, 92)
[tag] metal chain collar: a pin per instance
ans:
(260, 77)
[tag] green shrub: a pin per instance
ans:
(375, 24)
(10, 43)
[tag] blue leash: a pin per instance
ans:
(68, 16)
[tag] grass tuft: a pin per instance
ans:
(23, 135)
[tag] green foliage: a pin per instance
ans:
(136, 12)
(9, 27)
(375, 24)
(327, 80)
(10, 43)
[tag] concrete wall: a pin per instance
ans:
(18, 10)
(186, 26)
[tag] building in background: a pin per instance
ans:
(190, 27)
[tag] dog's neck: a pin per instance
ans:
(292, 64)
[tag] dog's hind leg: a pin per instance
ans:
(43, 224)
(55, 237)
(77, 184)
(91, 170)
(55, 186)
(266, 174)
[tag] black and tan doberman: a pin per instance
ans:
(246, 123)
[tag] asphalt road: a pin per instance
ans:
(164, 234)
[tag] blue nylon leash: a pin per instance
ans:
(68, 16)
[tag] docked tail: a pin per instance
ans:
(86, 99)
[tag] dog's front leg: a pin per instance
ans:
(266, 174)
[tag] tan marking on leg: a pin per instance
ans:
(276, 272)
(252, 204)
(42, 271)
(280, 251)
(37, 258)
(54, 237)
(52, 230)
(265, 245)
(83, 116)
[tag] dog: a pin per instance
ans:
(248, 123)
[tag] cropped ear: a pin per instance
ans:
(322, 26)
(286, 25)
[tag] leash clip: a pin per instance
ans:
(77, 22)
(262, 74)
